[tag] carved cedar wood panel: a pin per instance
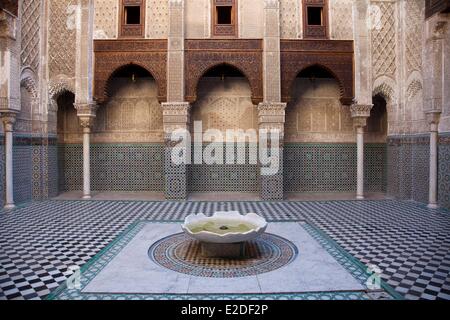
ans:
(245, 55)
(334, 55)
(110, 55)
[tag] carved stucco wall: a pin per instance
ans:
(341, 19)
(197, 19)
(106, 19)
(384, 42)
(316, 115)
(30, 15)
(290, 19)
(157, 21)
(62, 38)
(133, 114)
(414, 118)
(23, 122)
(251, 19)
(225, 104)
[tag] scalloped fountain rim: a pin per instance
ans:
(228, 237)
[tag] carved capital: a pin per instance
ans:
(8, 119)
(360, 113)
(86, 114)
(176, 115)
(86, 122)
(433, 118)
(272, 116)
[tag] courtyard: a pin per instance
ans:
(41, 242)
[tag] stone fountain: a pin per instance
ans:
(224, 234)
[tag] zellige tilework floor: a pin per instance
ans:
(410, 243)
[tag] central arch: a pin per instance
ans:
(246, 69)
(224, 103)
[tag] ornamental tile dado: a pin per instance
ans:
(114, 167)
(332, 167)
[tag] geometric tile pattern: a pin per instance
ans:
(409, 242)
(22, 168)
(114, 167)
(175, 176)
(180, 253)
(224, 177)
(52, 172)
(420, 166)
(2, 171)
(22, 173)
(408, 168)
(332, 167)
(444, 171)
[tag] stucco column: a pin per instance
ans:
(360, 113)
(433, 120)
(271, 117)
(176, 112)
(271, 113)
(9, 119)
(86, 115)
(176, 137)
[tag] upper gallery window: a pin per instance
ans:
(132, 18)
(315, 20)
(224, 18)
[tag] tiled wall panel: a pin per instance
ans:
(130, 167)
(332, 167)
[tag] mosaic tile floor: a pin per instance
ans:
(410, 243)
(322, 270)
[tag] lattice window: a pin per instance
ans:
(315, 18)
(132, 22)
(224, 18)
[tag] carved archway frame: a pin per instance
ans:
(111, 55)
(336, 56)
(244, 55)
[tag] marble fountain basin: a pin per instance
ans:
(224, 227)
